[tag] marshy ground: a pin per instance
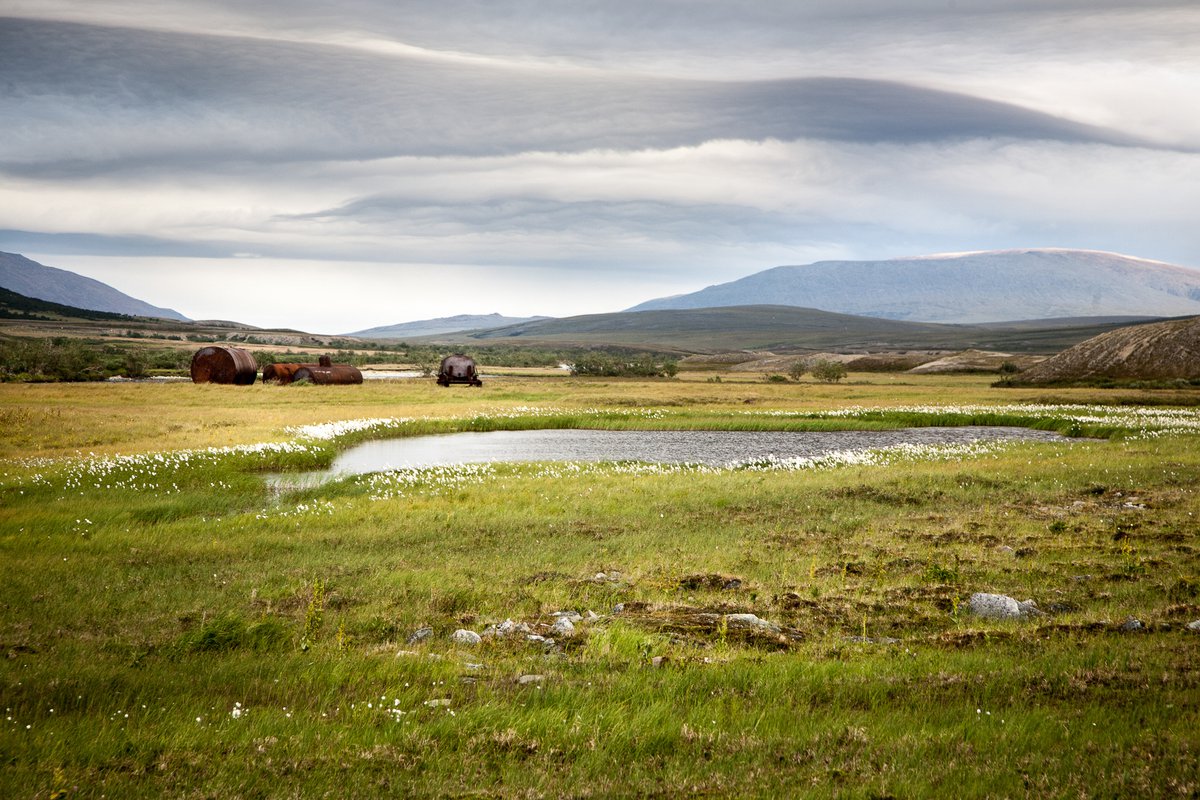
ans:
(173, 627)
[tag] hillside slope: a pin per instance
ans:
(28, 277)
(709, 330)
(432, 327)
(967, 287)
(1157, 351)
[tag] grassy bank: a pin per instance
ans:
(174, 628)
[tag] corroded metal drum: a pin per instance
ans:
(223, 364)
(281, 373)
(333, 374)
(458, 369)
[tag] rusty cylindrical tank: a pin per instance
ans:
(333, 374)
(281, 373)
(458, 369)
(284, 374)
(223, 364)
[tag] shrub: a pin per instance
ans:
(829, 371)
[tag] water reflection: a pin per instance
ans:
(702, 447)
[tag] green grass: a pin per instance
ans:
(182, 631)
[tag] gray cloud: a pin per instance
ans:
(103, 98)
(674, 143)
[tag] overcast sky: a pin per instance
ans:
(337, 166)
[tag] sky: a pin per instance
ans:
(338, 166)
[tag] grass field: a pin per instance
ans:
(174, 628)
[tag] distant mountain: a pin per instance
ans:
(27, 277)
(17, 306)
(434, 327)
(709, 330)
(1168, 350)
(966, 287)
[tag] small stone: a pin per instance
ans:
(731, 584)
(660, 661)
(592, 616)
(441, 701)
(1006, 550)
(1194, 625)
(526, 680)
(618, 608)
(464, 636)
(420, 635)
(600, 577)
(533, 637)
(994, 606)
(1132, 625)
(563, 627)
(500, 630)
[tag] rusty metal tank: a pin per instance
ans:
(282, 374)
(326, 375)
(224, 364)
(458, 369)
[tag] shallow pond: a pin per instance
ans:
(702, 447)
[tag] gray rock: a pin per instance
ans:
(1194, 625)
(994, 606)
(526, 680)
(506, 628)
(441, 701)
(618, 608)
(751, 622)
(464, 636)
(573, 616)
(563, 627)
(420, 635)
(1133, 625)
(660, 661)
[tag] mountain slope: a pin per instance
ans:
(433, 327)
(28, 277)
(708, 330)
(1158, 351)
(967, 287)
(19, 307)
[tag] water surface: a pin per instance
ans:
(701, 447)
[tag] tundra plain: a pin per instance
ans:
(173, 627)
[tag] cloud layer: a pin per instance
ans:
(647, 147)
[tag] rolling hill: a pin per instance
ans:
(1167, 350)
(765, 327)
(432, 327)
(966, 288)
(27, 277)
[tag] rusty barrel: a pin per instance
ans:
(458, 369)
(333, 374)
(222, 364)
(282, 373)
